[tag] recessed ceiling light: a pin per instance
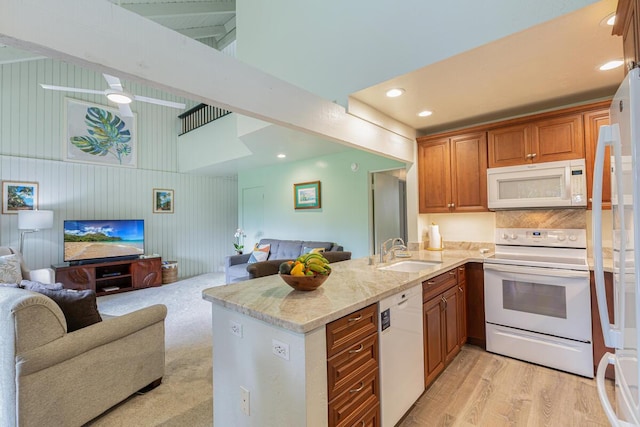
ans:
(392, 93)
(282, 156)
(425, 113)
(609, 20)
(611, 65)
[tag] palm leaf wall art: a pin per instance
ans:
(97, 134)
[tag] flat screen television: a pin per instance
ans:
(93, 240)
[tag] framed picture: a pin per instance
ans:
(162, 200)
(99, 135)
(19, 196)
(306, 195)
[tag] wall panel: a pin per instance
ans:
(32, 121)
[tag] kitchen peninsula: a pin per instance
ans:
(270, 345)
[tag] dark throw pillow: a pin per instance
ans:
(79, 307)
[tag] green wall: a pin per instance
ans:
(344, 216)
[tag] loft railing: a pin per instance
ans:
(200, 115)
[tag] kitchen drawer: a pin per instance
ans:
(353, 403)
(351, 329)
(439, 284)
(345, 369)
(370, 419)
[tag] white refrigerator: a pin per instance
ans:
(622, 331)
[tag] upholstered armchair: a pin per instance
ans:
(43, 275)
(51, 377)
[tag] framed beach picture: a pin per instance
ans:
(306, 195)
(100, 135)
(162, 200)
(19, 196)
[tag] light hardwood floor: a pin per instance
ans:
(484, 389)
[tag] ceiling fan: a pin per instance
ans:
(117, 94)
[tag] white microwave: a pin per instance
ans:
(538, 185)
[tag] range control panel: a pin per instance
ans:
(550, 237)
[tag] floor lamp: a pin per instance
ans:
(32, 221)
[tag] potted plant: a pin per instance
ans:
(239, 243)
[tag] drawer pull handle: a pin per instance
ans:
(358, 350)
(452, 273)
(460, 289)
(357, 389)
(431, 283)
(355, 319)
(460, 268)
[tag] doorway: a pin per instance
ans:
(388, 207)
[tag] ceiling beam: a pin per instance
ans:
(172, 10)
(204, 32)
(143, 51)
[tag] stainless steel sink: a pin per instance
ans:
(412, 266)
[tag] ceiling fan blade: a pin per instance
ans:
(71, 89)
(113, 82)
(171, 104)
(125, 110)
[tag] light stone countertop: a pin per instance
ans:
(353, 285)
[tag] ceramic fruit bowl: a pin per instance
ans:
(304, 283)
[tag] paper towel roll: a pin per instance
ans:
(435, 240)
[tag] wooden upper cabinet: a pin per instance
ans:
(434, 176)
(542, 140)
(469, 173)
(509, 146)
(453, 174)
(559, 138)
(592, 122)
(628, 25)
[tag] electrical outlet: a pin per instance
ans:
(280, 349)
(235, 328)
(244, 400)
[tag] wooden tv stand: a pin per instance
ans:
(111, 277)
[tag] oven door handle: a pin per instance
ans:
(554, 272)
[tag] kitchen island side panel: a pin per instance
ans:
(282, 392)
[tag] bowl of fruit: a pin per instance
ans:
(306, 273)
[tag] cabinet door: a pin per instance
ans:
(462, 312)
(592, 122)
(147, 272)
(560, 138)
(476, 333)
(452, 345)
(434, 176)
(433, 339)
(508, 146)
(627, 25)
(469, 172)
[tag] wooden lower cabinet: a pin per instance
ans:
(462, 305)
(353, 380)
(111, 277)
(441, 323)
(474, 286)
(433, 339)
(599, 349)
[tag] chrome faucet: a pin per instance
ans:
(394, 246)
(383, 249)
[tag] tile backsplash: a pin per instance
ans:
(544, 218)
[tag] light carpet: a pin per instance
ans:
(185, 397)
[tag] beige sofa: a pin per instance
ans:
(49, 377)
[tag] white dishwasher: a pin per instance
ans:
(401, 353)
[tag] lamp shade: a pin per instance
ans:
(35, 220)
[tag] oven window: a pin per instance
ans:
(545, 300)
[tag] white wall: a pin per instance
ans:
(198, 235)
(344, 216)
